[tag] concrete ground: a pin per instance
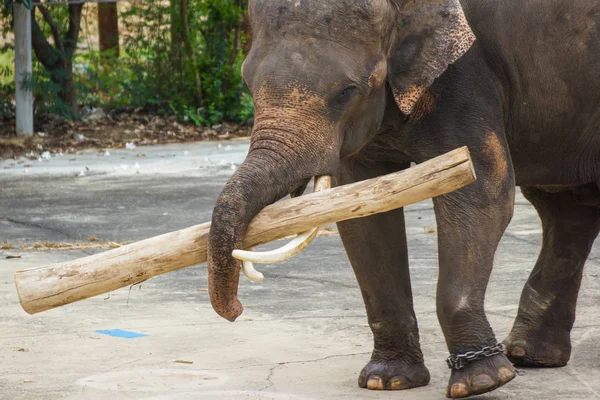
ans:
(303, 334)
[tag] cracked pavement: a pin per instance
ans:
(304, 333)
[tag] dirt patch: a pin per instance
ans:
(107, 131)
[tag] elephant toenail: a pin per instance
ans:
(459, 390)
(362, 380)
(482, 382)
(397, 384)
(375, 383)
(506, 374)
(518, 351)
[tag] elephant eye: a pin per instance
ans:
(346, 94)
(348, 91)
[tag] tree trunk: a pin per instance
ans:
(68, 93)
(58, 59)
(191, 52)
(181, 47)
(108, 30)
(235, 49)
(177, 31)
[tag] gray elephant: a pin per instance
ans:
(359, 88)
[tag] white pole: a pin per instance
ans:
(23, 70)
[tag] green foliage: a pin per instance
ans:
(46, 90)
(186, 65)
(7, 61)
(171, 64)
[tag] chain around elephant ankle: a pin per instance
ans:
(459, 361)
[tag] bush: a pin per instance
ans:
(181, 57)
(185, 58)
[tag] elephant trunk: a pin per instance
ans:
(270, 172)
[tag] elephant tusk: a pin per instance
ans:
(250, 272)
(292, 249)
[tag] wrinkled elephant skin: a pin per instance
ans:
(360, 88)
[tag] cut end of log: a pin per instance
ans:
(469, 162)
(33, 304)
(23, 302)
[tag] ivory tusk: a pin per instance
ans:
(293, 248)
(250, 272)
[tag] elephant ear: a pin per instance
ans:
(429, 36)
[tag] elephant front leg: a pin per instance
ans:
(470, 225)
(376, 246)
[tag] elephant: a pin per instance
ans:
(355, 89)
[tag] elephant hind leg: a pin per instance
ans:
(540, 336)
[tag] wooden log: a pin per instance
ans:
(53, 286)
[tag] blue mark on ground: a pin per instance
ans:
(121, 334)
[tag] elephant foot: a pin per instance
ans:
(480, 376)
(542, 349)
(393, 374)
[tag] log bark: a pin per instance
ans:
(53, 286)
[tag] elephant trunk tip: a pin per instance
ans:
(230, 309)
(233, 313)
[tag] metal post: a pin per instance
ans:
(23, 70)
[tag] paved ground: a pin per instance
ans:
(303, 334)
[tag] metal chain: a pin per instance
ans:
(459, 361)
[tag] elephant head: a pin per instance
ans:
(320, 73)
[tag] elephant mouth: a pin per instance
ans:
(288, 251)
(299, 191)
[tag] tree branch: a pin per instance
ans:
(74, 27)
(44, 52)
(53, 27)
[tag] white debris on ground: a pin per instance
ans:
(204, 159)
(96, 114)
(130, 146)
